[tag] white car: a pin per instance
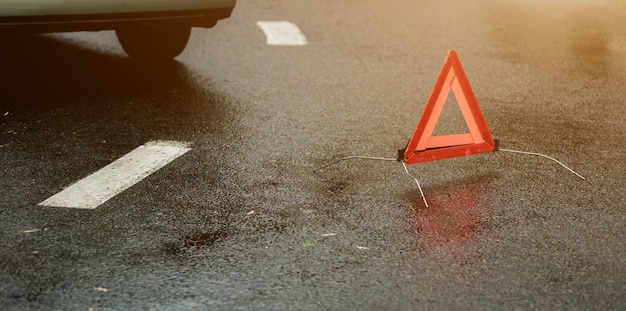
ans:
(146, 29)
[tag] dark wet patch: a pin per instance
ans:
(194, 242)
(533, 215)
(337, 186)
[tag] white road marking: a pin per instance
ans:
(118, 176)
(282, 33)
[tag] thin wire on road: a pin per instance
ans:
(379, 159)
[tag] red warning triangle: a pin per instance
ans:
(423, 146)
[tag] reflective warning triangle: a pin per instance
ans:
(423, 146)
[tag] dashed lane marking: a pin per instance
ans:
(282, 33)
(118, 176)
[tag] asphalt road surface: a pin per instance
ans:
(240, 221)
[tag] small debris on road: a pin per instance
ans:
(30, 230)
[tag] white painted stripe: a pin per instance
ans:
(282, 33)
(118, 176)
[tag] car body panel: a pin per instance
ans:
(21, 8)
(41, 16)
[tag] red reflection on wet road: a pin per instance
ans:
(452, 216)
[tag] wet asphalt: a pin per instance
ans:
(242, 222)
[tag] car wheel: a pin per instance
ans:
(153, 42)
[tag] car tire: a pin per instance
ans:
(153, 42)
